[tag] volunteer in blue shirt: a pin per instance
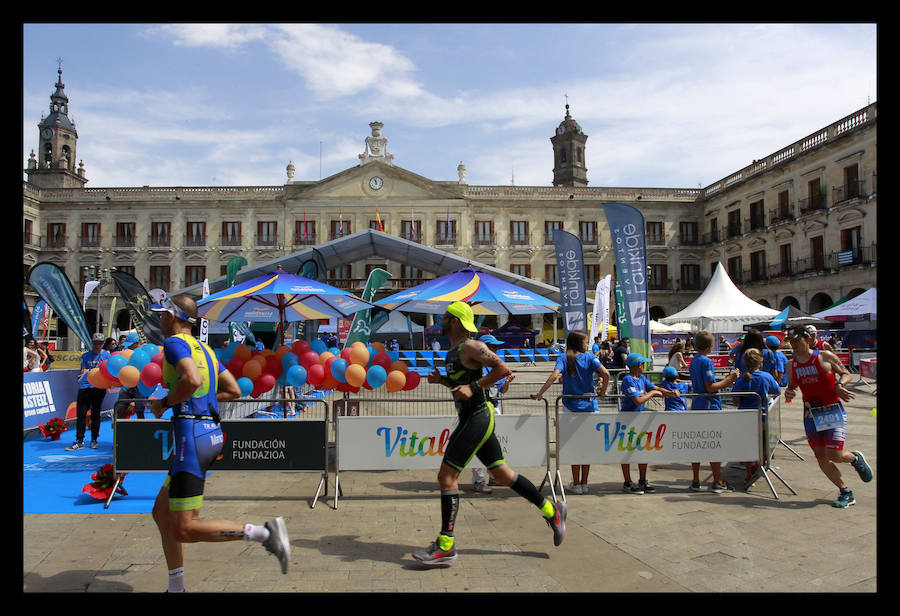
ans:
(89, 397)
(637, 389)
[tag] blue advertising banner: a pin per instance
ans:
(50, 394)
(626, 226)
(570, 273)
(52, 284)
(36, 315)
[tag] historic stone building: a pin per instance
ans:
(797, 227)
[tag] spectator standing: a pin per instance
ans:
(676, 357)
(44, 350)
(753, 340)
(89, 397)
(620, 353)
(637, 389)
(754, 379)
(778, 365)
(703, 381)
(31, 357)
(578, 367)
(605, 355)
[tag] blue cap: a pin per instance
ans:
(772, 342)
(130, 340)
(669, 372)
(634, 359)
(489, 339)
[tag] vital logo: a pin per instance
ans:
(403, 443)
(638, 312)
(163, 436)
(642, 441)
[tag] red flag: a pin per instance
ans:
(304, 224)
(378, 221)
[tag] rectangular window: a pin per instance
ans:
(196, 234)
(373, 266)
(758, 265)
(266, 233)
(659, 276)
(484, 232)
(126, 269)
(56, 235)
(339, 228)
(550, 274)
(690, 276)
(587, 231)
(90, 234)
(591, 276)
(231, 233)
(411, 230)
(734, 270)
(734, 223)
(304, 233)
(784, 254)
(549, 226)
(521, 269)
(713, 229)
(159, 277)
(125, 234)
(446, 232)
(410, 275)
(341, 276)
(160, 234)
(817, 252)
(687, 232)
(518, 233)
(815, 195)
(757, 215)
(655, 234)
(194, 274)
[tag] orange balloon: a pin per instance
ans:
(395, 381)
(267, 352)
(129, 376)
(325, 356)
(379, 348)
(126, 353)
(252, 370)
(279, 353)
(96, 380)
(243, 352)
(359, 354)
(355, 375)
(400, 365)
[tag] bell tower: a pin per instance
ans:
(54, 165)
(568, 153)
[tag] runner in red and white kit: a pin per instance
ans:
(820, 375)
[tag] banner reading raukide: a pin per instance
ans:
(570, 273)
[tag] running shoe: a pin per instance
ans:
(434, 555)
(558, 522)
(719, 487)
(94, 445)
(632, 488)
(844, 500)
(644, 485)
(696, 487)
(584, 488)
(482, 487)
(862, 467)
(574, 488)
(278, 543)
(75, 445)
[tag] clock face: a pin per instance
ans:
(47, 133)
(376, 183)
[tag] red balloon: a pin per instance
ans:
(300, 347)
(273, 366)
(382, 359)
(158, 359)
(235, 367)
(315, 374)
(309, 358)
(412, 380)
(265, 382)
(104, 372)
(345, 354)
(151, 374)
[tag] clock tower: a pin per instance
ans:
(54, 166)
(568, 153)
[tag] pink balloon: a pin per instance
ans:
(151, 374)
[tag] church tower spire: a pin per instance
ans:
(568, 153)
(55, 164)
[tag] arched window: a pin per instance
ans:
(48, 156)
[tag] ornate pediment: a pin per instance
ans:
(374, 181)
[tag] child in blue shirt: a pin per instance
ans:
(778, 366)
(671, 382)
(761, 382)
(638, 389)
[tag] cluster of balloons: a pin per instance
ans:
(141, 368)
(356, 366)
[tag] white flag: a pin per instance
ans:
(601, 309)
(89, 287)
(204, 324)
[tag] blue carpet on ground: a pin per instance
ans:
(52, 478)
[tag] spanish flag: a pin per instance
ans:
(378, 221)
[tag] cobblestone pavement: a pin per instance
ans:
(673, 541)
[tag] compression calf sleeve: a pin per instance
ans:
(449, 509)
(524, 488)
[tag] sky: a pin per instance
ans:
(663, 105)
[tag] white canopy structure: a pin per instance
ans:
(864, 305)
(722, 307)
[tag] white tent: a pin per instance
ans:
(864, 305)
(722, 307)
(396, 324)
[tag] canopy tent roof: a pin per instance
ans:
(722, 307)
(791, 317)
(397, 324)
(864, 305)
(370, 243)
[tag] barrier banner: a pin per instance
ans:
(395, 443)
(570, 273)
(52, 284)
(658, 436)
(46, 395)
(250, 445)
(626, 226)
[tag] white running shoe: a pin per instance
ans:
(278, 543)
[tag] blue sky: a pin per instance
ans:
(663, 105)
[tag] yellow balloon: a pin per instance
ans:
(355, 375)
(129, 376)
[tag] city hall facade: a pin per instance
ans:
(797, 227)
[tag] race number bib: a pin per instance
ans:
(829, 417)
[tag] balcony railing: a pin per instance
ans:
(665, 284)
(56, 241)
(124, 241)
(160, 241)
(733, 229)
(756, 222)
(783, 213)
(811, 204)
(89, 241)
(31, 240)
(689, 240)
(484, 240)
(230, 240)
(852, 190)
(655, 240)
(519, 240)
(267, 240)
(194, 241)
(448, 239)
(309, 240)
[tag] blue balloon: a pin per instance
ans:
(318, 346)
(246, 386)
(116, 363)
(395, 355)
(338, 368)
(376, 376)
(150, 349)
(334, 351)
(139, 359)
(372, 353)
(296, 375)
(288, 360)
(144, 390)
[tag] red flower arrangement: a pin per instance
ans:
(53, 428)
(104, 480)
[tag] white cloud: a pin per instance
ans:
(228, 36)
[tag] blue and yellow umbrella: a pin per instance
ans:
(486, 294)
